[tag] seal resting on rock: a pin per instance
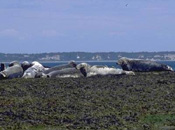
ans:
(139, 65)
(67, 72)
(34, 70)
(2, 67)
(101, 70)
(71, 64)
(25, 65)
(13, 71)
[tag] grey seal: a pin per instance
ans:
(13, 71)
(34, 70)
(139, 65)
(101, 70)
(3, 67)
(67, 72)
(71, 64)
(25, 65)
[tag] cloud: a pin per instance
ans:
(51, 33)
(13, 33)
(9, 33)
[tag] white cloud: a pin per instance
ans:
(13, 33)
(51, 33)
(9, 33)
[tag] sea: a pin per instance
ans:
(105, 63)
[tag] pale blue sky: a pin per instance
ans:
(34, 26)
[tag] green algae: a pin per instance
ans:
(143, 101)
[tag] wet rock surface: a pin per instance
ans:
(142, 101)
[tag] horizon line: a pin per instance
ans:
(94, 52)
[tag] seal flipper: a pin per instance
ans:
(1, 76)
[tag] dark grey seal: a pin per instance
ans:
(2, 66)
(67, 72)
(71, 64)
(25, 65)
(13, 71)
(139, 65)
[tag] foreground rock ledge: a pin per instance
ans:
(143, 101)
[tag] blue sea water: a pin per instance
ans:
(109, 64)
(170, 63)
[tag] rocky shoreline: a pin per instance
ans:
(141, 101)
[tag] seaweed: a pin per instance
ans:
(142, 101)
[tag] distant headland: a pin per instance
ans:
(87, 56)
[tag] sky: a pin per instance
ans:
(37, 26)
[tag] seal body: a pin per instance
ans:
(64, 73)
(71, 64)
(25, 65)
(139, 65)
(34, 70)
(3, 67)
(13, 71)
(101, 70)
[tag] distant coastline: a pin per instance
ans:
(87, 56)
(95, 61)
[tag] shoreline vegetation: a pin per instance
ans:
(142, 101)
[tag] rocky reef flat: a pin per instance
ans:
(141, 101)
